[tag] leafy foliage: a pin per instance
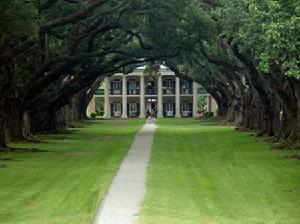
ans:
(269, 29)
(18, 17)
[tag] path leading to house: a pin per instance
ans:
(128, 188)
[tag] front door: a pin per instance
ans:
(151, 107)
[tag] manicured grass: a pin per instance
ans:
(205, 174)
(64, 185)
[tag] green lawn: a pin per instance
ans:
(64, 185)
(205, 174)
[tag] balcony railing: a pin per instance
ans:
(151, 91)
(116, 92)
(186, 91)
(132, 92)
(168, 91)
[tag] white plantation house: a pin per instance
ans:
(136, 94)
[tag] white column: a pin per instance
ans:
(214, 106)
(195, 100)
(106, 98)
(91, 107)
(209, 109)
(124, 97)
(160, 98)
(177, 98)
(142, 96)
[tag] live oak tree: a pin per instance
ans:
(267, 37)
(54, 54)
(264, 38)
(76, 44)
(250, 64)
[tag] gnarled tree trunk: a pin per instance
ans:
(2, 136)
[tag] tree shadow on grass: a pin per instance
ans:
(2, 165)
(293, 157)
(82, 124)
(58, 135)
(21, 150)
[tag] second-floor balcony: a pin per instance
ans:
(132, 92)
(116, 87)
(151, 91)
(169, 87)
(186, 87)
(151, 88)
(133, 87)
(116, 92)
(188, 91)
(168, 91)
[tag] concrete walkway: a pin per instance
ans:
(128, 189)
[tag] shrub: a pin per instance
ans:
(100, 113)
(209, 114)
(93, 115)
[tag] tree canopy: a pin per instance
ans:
(54, 54)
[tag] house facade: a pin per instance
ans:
(137, 94)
